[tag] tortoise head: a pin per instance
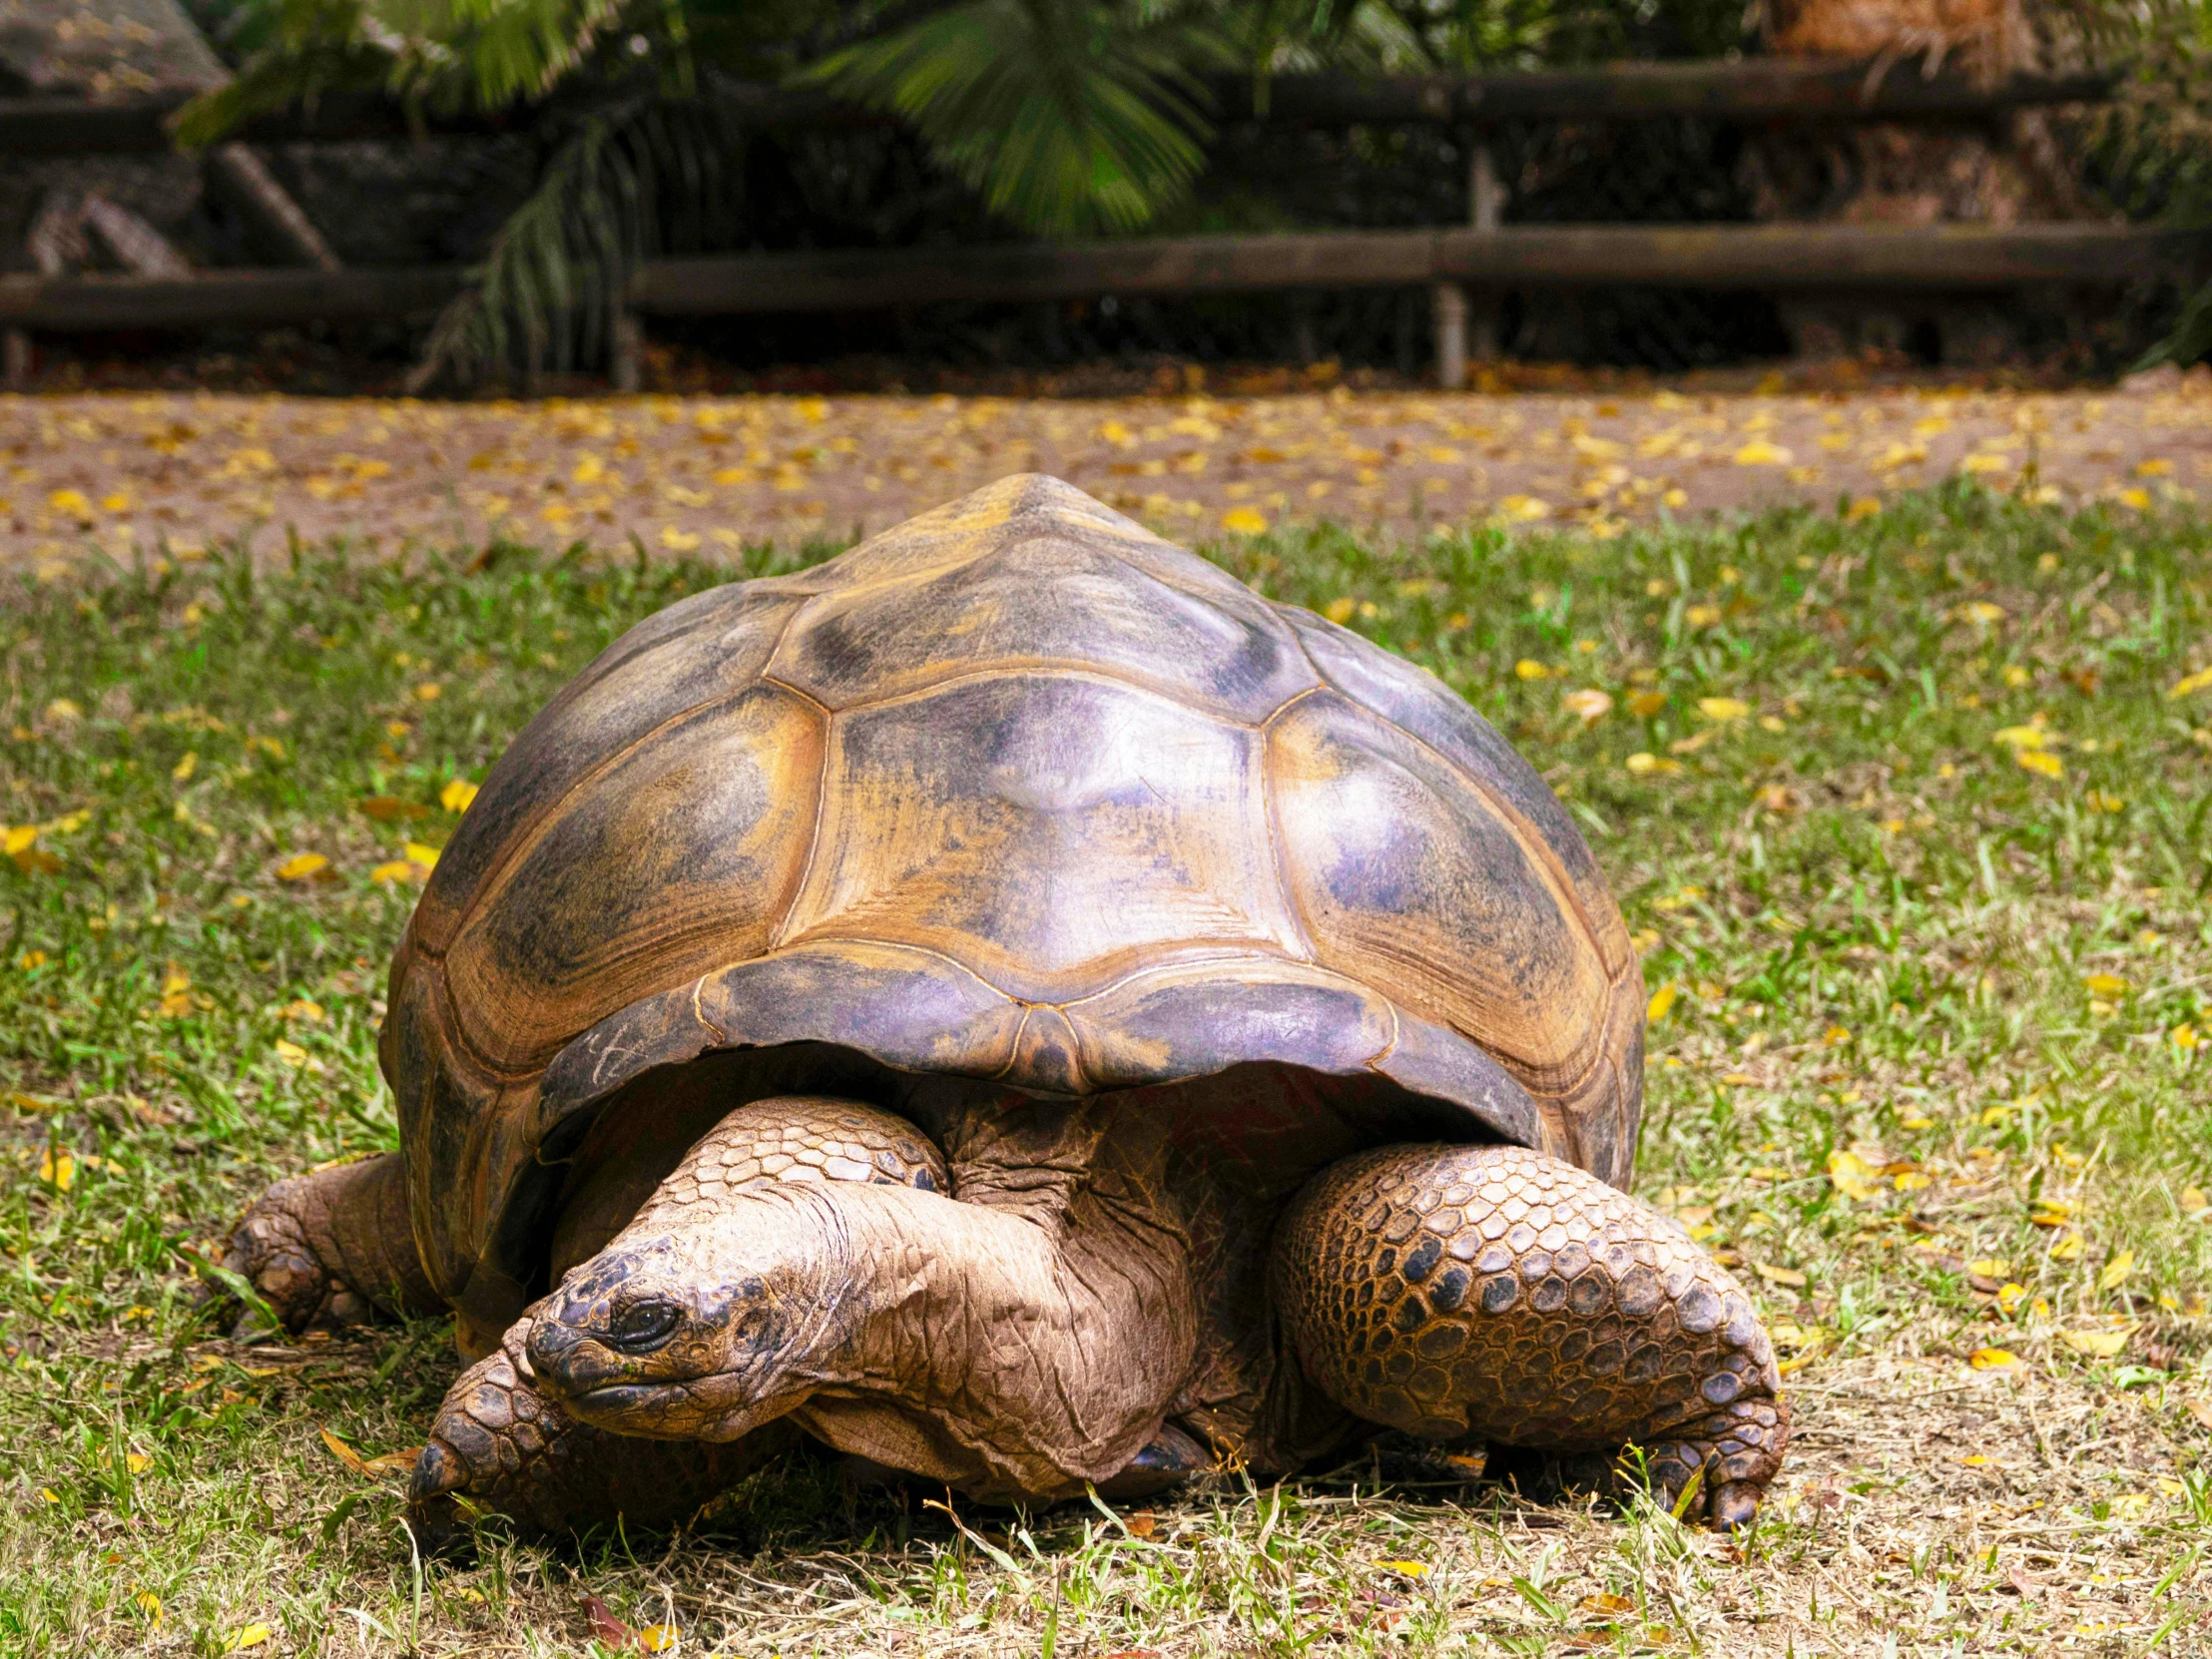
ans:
(702, 1328)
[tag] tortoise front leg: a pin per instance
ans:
(1450, 1291)
(499, 1446)
(331, 1248)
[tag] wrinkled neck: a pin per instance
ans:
(983, 1348)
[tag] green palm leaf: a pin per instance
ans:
(1067, 115)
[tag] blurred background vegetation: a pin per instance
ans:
(1079, 117)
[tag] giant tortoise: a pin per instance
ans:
(1020, 1009)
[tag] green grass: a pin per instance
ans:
(1905, 967)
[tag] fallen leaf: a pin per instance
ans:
(57, 1169)
(396, 871)
(425, 856)
(606, 1626)
(1339, 611)
(428, 692)
(658, 1638)
(2116, 1270)
(1531, 669)
(393, 1463)
(1244, 521)
(2068, 1248)
(1992, 1358)
(2039, 761)
(2106, 985)
(345, 1453)
(2095, 1345)
(1142, 1525)
(1759, 452)
(1788, 1277)
(1588, 705)
(386, 809)
(302, 867)
(457, 795)
(291, 1053)
(1645, 703)
(1852, 1176)
(1405, 1569)
(182, 772)
(251, 1635)
(1723, 707)
(1641, 763)
(1662, 1000)
(2190, 684)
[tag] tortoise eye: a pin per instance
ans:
(644, 1325)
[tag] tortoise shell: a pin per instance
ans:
(1015, 791)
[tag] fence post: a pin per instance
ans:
(1450, 300)
(626, 351)
(1485, 212)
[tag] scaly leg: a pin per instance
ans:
(1449, 1291)
(499, 1446)
(333, 1248)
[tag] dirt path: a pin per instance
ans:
(705, 474)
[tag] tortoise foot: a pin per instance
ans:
(330, 1248)
(1738, 1448)
(501, 1447)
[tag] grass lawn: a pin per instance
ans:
(1907, 818)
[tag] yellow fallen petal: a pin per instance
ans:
(657, 1638)
(291, 1052)
(2040, 761)
(1661, 1001)
(1759, 452)
(1341, 610)
(1407, 1569)
(457, 795)
(418, 853)
(1723, 707)
(301, 866)
(1992, 1358)
(1529, 668)
(57, 1169)
(2106, 985)
(2021, 737)
(1244, 521)
(2116, 1270)
(2095, 1345)
(1641, 763)
(398, 870)
(254, 1635)
(137, 1462)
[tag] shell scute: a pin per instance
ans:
(680, 857)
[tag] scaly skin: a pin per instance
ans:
(333, 1248)
(500, 1446)
(1452, 1291)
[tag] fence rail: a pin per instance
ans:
(1758, 256)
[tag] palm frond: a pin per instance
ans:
(642, 178)
(1066, 115)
